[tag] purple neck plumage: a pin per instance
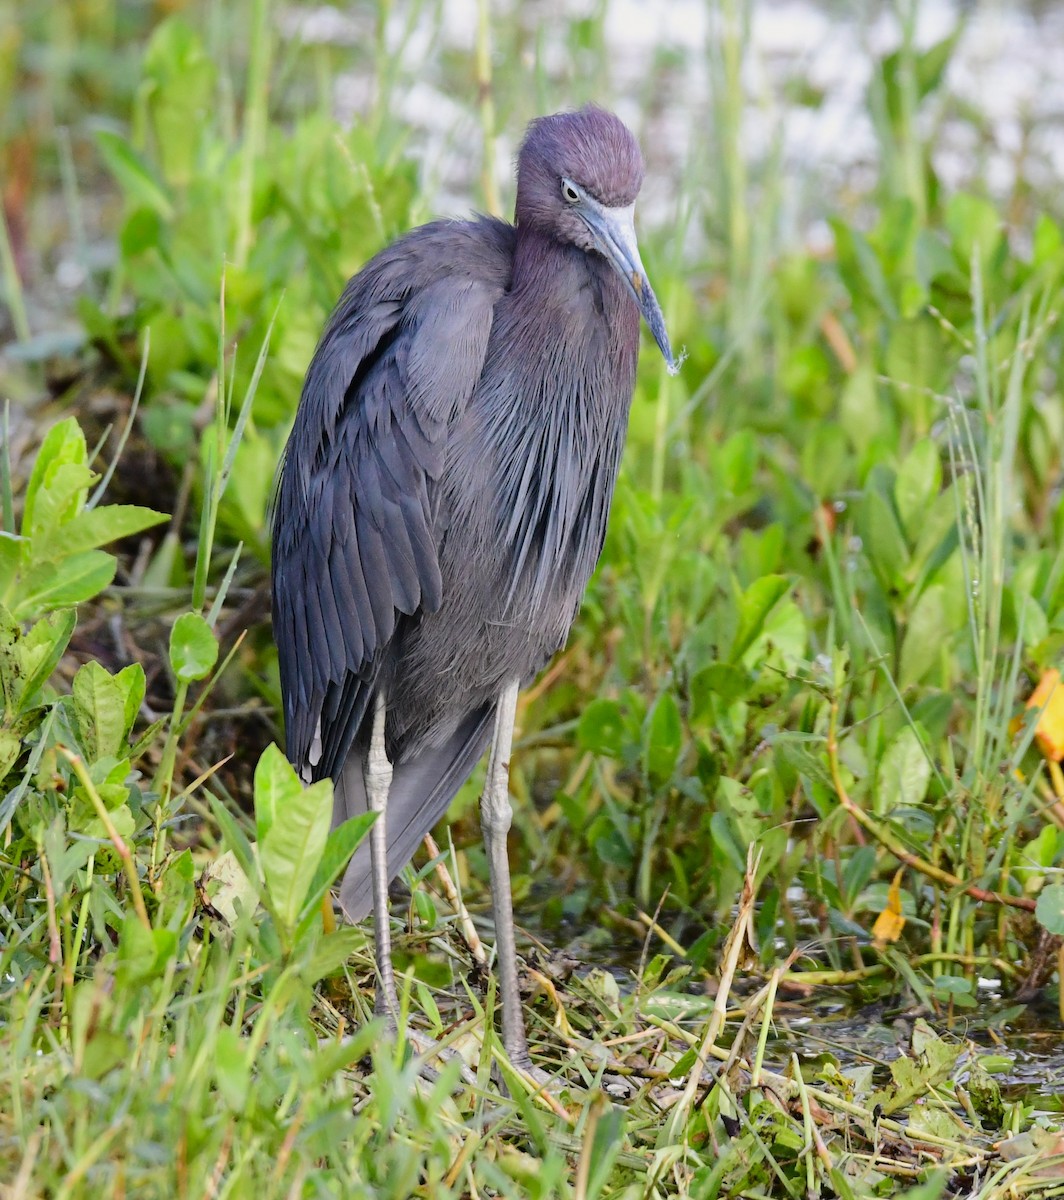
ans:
(555, 276)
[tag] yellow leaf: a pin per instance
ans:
(1049, 732)
(890, 922)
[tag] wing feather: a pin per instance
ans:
(354, 527)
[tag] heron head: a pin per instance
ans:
(578, 176)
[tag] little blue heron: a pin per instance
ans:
(443, 501)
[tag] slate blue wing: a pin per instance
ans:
(354, 538)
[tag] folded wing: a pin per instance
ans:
(354, 542)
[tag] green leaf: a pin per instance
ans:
(28, 659)
(861, 414)
(100, 707)
(70, 583)
(231, 1060)
(1049, 910)
(332, 950)
(976, 228)
(95, 527)
(904, 773)
(10, 556)
(63, 444)
(193, 648)
(718, 679)
(759, 599)
(143, 954)
(133, 174)
(293, 849)
(986, 1094)
(918, 483)
(927, 632)
(882, 537)
(275, 784)
(293, 827)
(132, 683)
(180, 83)
(664, 739)
(601, 728)
(236, 840)
(11, 745)
(795, 754)
(861, 270)
(59, 501)
(725, 839)
(339, 846)
(606, 1144)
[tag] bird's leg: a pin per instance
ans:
(378, 776)
(496, 816)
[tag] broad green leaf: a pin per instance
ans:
(918, 363)
(827, 460)
(934, 259)
(28, 659)
(861, 269)
(63, 444)
(232, 1067)
(723, 680)
(976, 228)
(664, 739)
(10, 749)
(143, 953)
(936, 535)
(339, 846)
(60, 499)
(193, 648)
(784, 633)
(180, 83)
(95, 527)
(601, 728)
(861, 413)
(133, 174)
(882, 537)
(797, 755)
(332, 950)
(42, 648)
(1050, 908)
(927, 632)
(64, 585)
(131, 680)
(918, 483)
(724, 838)
(100, 706)
(276, 783)
(735, 463)
(904, 773)
(11, 547)
(122, 820)
(292, 850)
(985, 1092)
(755, 604)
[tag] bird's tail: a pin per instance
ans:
(419, 795)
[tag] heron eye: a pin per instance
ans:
(569, 192)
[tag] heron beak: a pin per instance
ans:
(614, 232)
